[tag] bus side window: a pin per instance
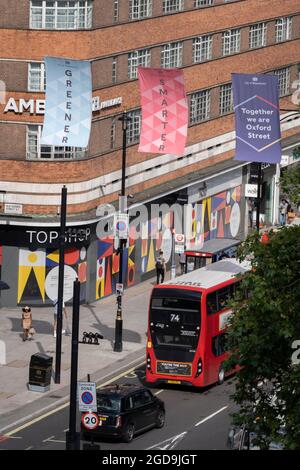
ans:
(211, 302)
(223, 297)
(219, 344)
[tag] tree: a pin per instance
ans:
(261, 337)
(290, 183)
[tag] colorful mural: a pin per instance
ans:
(218, 216)
(38, 274)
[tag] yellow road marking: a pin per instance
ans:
(65, 405)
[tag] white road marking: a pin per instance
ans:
(65, 405)
(56, 440)
(66, 430)
(29, 448)
(159, 391)
(48, 439)
(170, 443)
(211, 416)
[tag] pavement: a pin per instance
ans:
(17, 403)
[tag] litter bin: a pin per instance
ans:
(40, 371)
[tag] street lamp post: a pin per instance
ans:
(118, 345)
(60, 294)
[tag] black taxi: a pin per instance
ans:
(125, 410)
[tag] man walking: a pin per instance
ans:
(283, 211)
(160, 267)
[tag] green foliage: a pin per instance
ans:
(261, 334)
(290, 183)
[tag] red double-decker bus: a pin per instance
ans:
(187, 325)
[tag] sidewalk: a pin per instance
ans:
(15, 399)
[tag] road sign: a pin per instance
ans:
(179, 243)
(87, 396)
(119, 289)
(121, 225)
(90, 420)
(179, 238)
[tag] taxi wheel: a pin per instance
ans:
(129, 433)
(160, 419)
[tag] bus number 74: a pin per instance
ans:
(174, 317)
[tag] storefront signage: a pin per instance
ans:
(37, 107)
(45, 237)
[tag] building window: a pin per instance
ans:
(137, 58)
(202, 48)
(169, 6)
(36, 77)
(171, 55)
(114, 70)
(116, 10)
(139, 9)
(200, 106)
(203, 3)
(258, 35)
(283, 29)
(134, 126)
(231, 41)
(59, 14)
(283, 80)
(226, 99)
(113, 133)
(37, 151)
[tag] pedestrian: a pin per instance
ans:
(27, 323)
(182, 259)
(251, 208)
(55, 303)
(283, 211)
(160, 267)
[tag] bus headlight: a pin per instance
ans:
(199, 368)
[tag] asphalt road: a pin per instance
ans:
(195, 420)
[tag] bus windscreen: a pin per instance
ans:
(175, 318)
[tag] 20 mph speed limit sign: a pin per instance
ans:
(90, 420)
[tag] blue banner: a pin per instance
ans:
(257, 118)
(68, 112)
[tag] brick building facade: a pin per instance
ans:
(208, 39)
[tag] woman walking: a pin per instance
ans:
(26, 323)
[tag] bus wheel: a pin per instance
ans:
(221, 376)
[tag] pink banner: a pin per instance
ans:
(164, 111)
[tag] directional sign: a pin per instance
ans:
(90, 420)
(87, 396)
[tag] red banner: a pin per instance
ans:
(164, 111)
